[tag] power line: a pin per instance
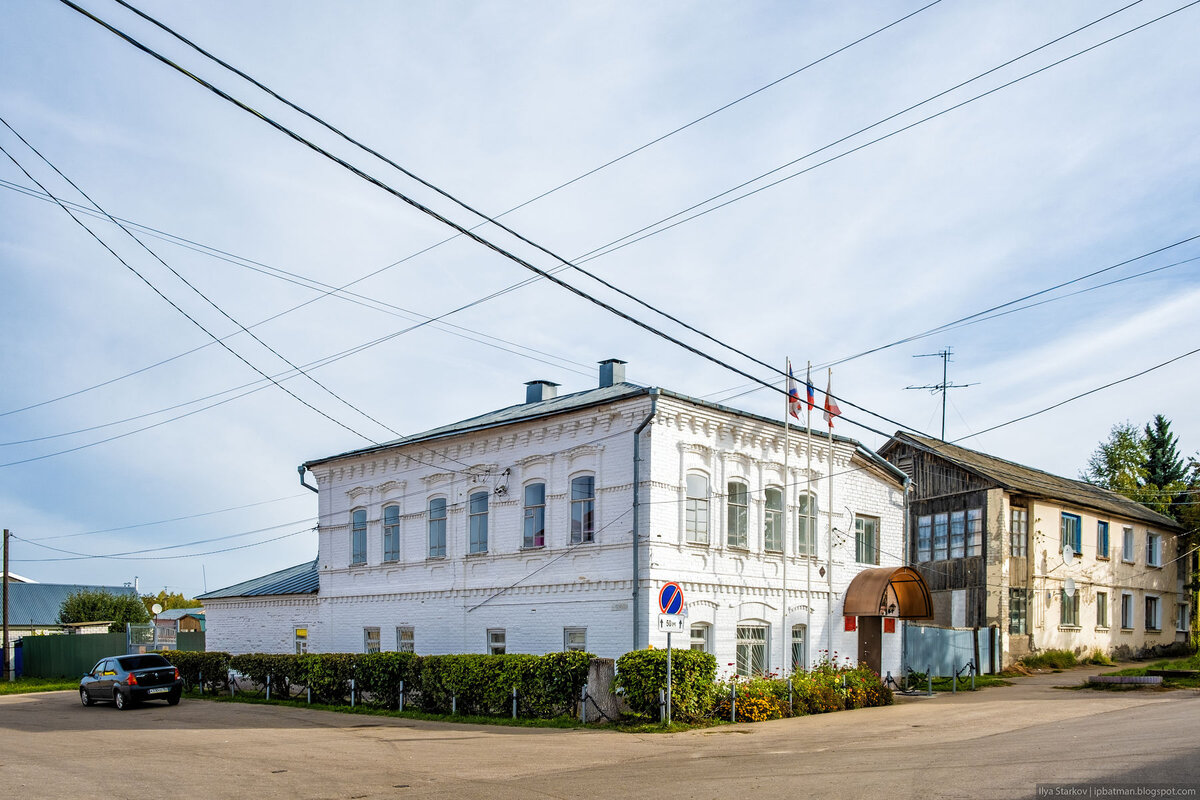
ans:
(159, 292)
(461, 229)
(610, 248)
(37, 543)
(1080, 395)
(170, 558)
(436, 215)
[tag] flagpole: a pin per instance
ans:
(809, 499)
(787, 449)
(829, 551)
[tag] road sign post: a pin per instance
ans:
(670, 603)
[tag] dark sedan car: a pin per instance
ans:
(126, 680)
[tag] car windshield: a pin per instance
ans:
(130, 663)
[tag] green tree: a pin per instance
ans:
(100, 605)
(1163, 464)
(1119, 463)
(168, 600)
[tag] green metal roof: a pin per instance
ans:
(300, 579)
(38, 603)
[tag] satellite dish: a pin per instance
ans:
(1068, 553)
(156, 608)
(1069, 587)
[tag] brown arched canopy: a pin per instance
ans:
(888, 592)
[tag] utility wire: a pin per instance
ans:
(37, 543)
(1080, 395)
(461, 230)
(442, 218)
(166, 558)
(646, 231)
(159, 292)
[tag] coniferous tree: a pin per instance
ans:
(1163, 464)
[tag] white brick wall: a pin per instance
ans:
(533, 594)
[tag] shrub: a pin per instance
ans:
(1050, 659)
(642, 673)
(327, 675)
(279, 668)
(825, 688)
(212, 666)
(379, 675)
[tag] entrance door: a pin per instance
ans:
(870, 642)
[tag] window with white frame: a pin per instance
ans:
(437, 527)
(1101, 609)
(1071, 533)
(941, 530)
(1153, 614)
(866, 540)
(406, 639)
(751, 649)
(358, 536)
(1181, 616)
(1069, 606)
(1102, 542)
(370, 640)
(300, 637)
(696, 511)
(737, 501)
(799, 648)
(701, 637)
(925, 538)
(477, 523)
(1018, 532)
(583, 509)
(1127, 553)
(1018, 611)
(773, 520)
(1153, 549)
(1127, 611)
(535, 516)
(806, 525)
(575, 639)
(496, 641)
(974, 531)
(391, 533)
(958, 532)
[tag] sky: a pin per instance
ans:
(981, 195)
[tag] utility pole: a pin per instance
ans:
(5, 673)
(944, 386)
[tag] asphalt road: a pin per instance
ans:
(996, 743)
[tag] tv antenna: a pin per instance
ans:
(945, 385)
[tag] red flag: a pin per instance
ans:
(831, 406)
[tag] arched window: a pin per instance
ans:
(535, 516)
(737, 502)
(806, 525)
(437, 527)
(773, 520)
(391, 533)
(702, 637)
(696, 519)
(583, 507)
(358, 536)
(478, 523)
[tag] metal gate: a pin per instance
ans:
(945, 650)
(149, 638)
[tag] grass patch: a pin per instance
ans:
(1051, 659)
(28, 685)
(1190, 662)
(964, 684)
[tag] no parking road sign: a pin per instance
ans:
(670, 598)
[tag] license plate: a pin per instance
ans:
(158, 691)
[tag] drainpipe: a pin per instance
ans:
(301, 469)
(637, 441)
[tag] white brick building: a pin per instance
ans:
(513, 531)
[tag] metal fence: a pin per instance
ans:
(946, 650)
(64, 655)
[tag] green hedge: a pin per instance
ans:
(547, 686)
(642, 673)
(212, 666)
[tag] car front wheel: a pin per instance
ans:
(120, 701)
(84, 697)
